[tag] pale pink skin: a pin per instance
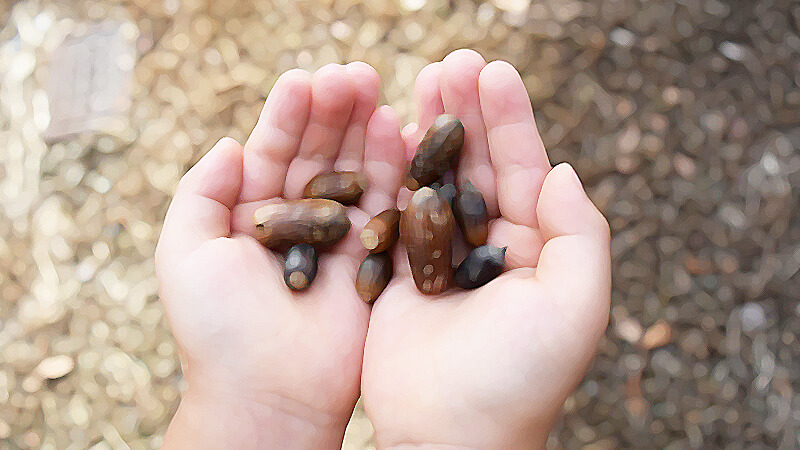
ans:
(491, 367)
(488, 368)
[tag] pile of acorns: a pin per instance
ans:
(426, 225)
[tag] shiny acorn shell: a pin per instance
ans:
(437, 152)
(318, 222)
(426, 227)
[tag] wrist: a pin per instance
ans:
(223, 419)
(450, 432)
(508, 442)
(429, 447)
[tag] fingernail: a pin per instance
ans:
(386, 111)
(410, 129)
(573, 175)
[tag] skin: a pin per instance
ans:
(268, 367)
(491, 367)
(488, 368)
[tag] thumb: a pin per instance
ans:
(575, 263)
(200, 209)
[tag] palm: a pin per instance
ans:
(245, 326)
(231, 313)
(471, 354)
(499, 344)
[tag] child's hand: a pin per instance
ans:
(491, 368)
(266, 367)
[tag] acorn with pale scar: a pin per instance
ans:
(318, 222)
(300, 267)
(381, 231)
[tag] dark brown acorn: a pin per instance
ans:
(318, 222)
(344, 187)
(437, 152)
(300, 266)
(426, 227)
(381, 231)
(482, 265)
(373, 276)
(470, 212)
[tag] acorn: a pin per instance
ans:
(373, 276)
(426, 227)
(437, 152)
(381, 231)
(482, 265)
(300, 267)
(344, 187)
(470, 212)
(318, 222)
(446, 191)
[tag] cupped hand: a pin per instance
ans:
(491, 367)
(247, 340)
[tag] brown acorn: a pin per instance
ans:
(470, 212)
(373, 276)
(344, 187)
(300, 267)
(318, 222)
(426, 227)
(437, 152)
(381, 231)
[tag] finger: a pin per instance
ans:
(523, 244)
(385, 163)
(516, 149)
(332, 97)
(350, 245)
(428, 99)
(459, 86)
(575, 263)
(276, 137)
(337, 275)
(200, 209)
(366, 83)
(409, 135)
(408, 132)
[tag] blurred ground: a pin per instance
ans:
(682, 117)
